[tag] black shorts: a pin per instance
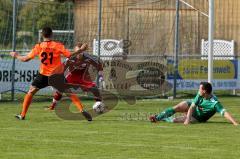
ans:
(41, 81)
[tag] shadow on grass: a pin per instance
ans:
(215, 122)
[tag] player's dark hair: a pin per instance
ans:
(207, 87)
(47, 32)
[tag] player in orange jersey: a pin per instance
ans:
(49, 53)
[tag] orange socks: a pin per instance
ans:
(77, 102)
(27, 101)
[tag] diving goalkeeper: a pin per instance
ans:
(200, 109)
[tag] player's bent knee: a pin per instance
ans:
(57, 96)
(181, 107)
(33, 90)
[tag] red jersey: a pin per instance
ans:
(77, 69)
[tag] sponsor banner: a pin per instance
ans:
(192, 72)
(238, 75)
(198, 69)
(217, 84)
(25, 72)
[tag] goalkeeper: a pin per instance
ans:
(200, 109)
(75, 71)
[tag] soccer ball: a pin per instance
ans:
(99, 107)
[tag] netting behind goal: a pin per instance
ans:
(142, 30)
(139, 33)
(31, 16)
(145, 31)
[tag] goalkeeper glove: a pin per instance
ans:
(101, 81)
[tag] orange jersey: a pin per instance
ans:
(49, 53)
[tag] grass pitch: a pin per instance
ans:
(121, 133)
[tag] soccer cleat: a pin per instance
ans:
(153, 118)
(51, 107)
(87, 115)
(19, 117)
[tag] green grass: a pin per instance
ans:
(122, 133)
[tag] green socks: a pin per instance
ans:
(165, 114)
(169, 119)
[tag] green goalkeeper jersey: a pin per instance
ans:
(206, 108)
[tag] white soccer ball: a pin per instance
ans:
(99, 107)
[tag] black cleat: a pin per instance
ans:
(87, 115)
(153, 118)
(19, 117)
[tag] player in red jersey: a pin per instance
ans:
(76, 72)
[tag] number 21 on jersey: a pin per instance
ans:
(47, 58)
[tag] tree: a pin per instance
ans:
(34, 16)
(6, 22)
(51, 14)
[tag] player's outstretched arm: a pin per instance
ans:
(19, 57)
(189, 114)
(83, 47)
(79, 48)
(229, 117)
